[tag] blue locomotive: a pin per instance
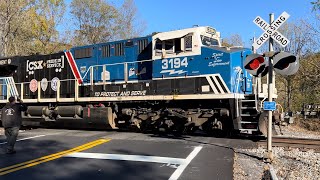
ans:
(176, 81)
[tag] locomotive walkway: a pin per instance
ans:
(76, 154)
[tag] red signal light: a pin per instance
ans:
(254, 64)
(285, 63)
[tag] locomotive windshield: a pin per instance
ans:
(207, 41)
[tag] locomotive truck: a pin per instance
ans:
(177, 81)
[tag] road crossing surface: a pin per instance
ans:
(77, 154)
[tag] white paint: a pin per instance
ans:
(25, 138)
(183, 163)
(205, 88)
(181, 168)
(122, 157)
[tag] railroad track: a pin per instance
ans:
(288, 142)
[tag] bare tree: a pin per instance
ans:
(316, 5)
(128, 23)
(233, 40)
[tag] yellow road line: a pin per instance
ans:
(51, 157)
(45, 157)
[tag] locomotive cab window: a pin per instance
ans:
(169, 46)
(173, 46)
(158, 47)
(83, 53)
(177, 45)
(207, 41)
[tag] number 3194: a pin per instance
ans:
(174, 63)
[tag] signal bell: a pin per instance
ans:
(285, 63)
(255, 64)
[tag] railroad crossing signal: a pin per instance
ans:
(270, 30)
(285, 63)
(256, 65)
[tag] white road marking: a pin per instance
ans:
(182, 163)
(122, 157)
(25, 138)
(181, 168)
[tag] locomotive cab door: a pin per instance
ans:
(130, 58)
(247, 83)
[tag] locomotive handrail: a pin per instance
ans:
(39, 99)
(113, 64)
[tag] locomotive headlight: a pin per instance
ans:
(211, 30)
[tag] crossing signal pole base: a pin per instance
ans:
(268, 157)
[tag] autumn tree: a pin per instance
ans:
(99, 21)
(12, 21)
(29, 26)
(46, 15)
(300, 45)
(95, 21)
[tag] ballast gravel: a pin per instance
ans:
(289, 163)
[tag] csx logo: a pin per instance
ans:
(34, 65)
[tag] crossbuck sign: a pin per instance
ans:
(270, 30)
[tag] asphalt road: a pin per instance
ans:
(81, 155)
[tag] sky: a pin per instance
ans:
(226, 16)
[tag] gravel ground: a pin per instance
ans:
(288, 163)
(296, 131)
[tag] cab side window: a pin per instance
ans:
(169, 46)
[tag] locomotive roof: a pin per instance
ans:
(183, 32)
